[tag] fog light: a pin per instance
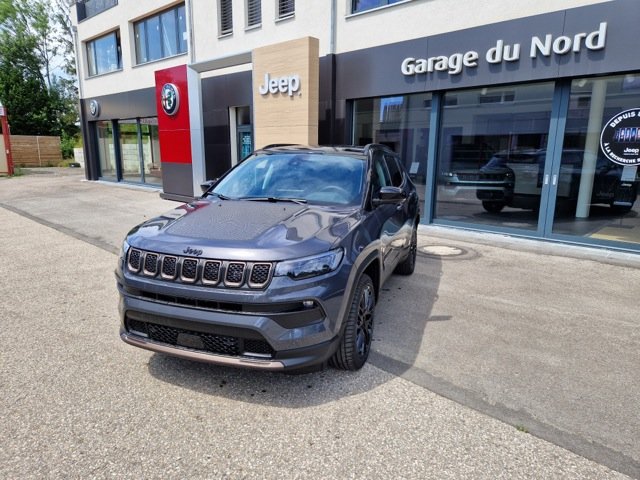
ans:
(308, 304)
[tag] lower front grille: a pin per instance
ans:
(201, 341)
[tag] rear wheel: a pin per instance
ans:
(355, 343)
(493, 207)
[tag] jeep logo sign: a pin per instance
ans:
(620, 138)
(287, 85)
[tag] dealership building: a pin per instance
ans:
(512, 117)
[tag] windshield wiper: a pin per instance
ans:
(299, 201)
(219, 195)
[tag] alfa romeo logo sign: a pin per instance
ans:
(170, 99)
(620, 138)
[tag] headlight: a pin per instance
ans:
(310, 266)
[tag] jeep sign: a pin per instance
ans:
(620, 138)
(283, 84)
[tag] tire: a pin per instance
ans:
(408, 265)
(493, 207)
(621, 209)
(355, 343)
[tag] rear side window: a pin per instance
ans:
(394, 170)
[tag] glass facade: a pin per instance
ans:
(401, 123)
(129, 150)
(106, 150)
(492, 154)
(137, 158)
(600, 198)
(518, 158)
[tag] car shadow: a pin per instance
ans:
(402, 314)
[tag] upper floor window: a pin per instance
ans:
(286, 8)
(162, 35)
(103, 54)
(225, 14)
(89, 8)
(254, 13)
(362, 5)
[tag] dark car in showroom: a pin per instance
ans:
(278, 266)
(514, 179)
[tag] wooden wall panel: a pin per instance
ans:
(281, 117)
(35, 151)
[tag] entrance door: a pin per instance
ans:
(130, 151)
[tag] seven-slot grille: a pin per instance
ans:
(209, 272)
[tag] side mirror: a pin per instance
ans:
(388, 195)
(207, 185)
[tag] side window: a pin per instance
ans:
(380, 173)
(394, 170)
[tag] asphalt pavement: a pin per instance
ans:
(498, 358)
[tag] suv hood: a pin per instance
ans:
(245, 230)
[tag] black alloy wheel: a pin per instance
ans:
(355, 344)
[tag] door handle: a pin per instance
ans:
(546, 179)
(554, 180)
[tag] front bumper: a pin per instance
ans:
(267, 331)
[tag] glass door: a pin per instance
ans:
(130, 151)
(106, 150)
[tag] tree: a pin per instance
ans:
(35, 42)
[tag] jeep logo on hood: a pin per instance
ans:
(192, 251)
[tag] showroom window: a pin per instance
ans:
(401, 123)
(286, 8)
(225, 14)
(162, 35)
(492, 154)
(358, 6)
(103, 54)
(129, 150)
(597, 197)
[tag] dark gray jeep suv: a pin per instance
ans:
(278, 265)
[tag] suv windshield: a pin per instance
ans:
(314, 178)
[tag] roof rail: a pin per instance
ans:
(276, 145)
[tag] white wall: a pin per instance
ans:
(394, 23)
(131, 77)
(421, 18)
(312, 18)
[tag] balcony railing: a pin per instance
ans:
(89, 8)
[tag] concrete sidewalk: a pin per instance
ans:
(542, 336)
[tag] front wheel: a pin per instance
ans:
(492, 207)
(408, 265)
(355, 343)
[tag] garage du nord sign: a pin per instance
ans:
(620, 138)
(501, 52)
